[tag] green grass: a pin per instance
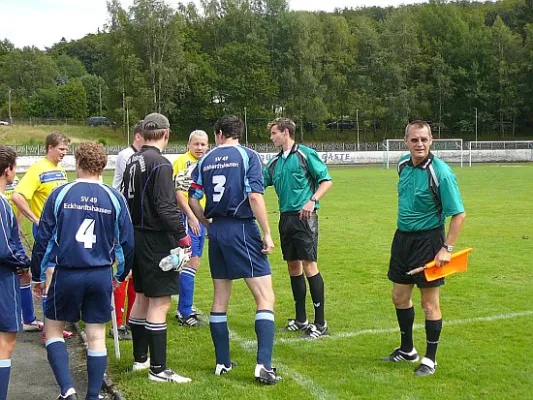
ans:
(477, 359)
(484, 358)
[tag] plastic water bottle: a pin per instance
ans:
(175, 261)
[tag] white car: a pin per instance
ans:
(4, 123)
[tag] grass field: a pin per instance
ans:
(485, 349)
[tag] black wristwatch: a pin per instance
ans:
(313, 199)
(447, 247)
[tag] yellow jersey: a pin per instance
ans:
(186, 163)
(9, 191)
(39, 181)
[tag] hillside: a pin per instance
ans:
(35, 135)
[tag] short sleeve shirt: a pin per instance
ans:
(9, 192)
(295, 177)
(39, 181)
(186, 162)
(417, 210)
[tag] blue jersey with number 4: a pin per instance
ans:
(227, 175)
(84, 224)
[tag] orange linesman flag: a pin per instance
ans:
(458, 263)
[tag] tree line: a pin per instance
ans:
(462, 65)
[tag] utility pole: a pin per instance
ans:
(9, 106)
(100, 94)
(357, 125)
(475, 108)
(245, 127)
(128, 120)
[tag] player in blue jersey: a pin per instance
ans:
(231, 178)
(31, 323)
(86, 225)
(12, 262)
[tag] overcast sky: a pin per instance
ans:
(44, 22)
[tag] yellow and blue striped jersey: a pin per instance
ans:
(39, 181)
(186, 162)
(9, 191)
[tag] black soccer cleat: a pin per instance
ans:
(426, 368)
(398, 356)
(295, 326)
(314, 331)
(192, 321)
(264, 376)
(123, 333)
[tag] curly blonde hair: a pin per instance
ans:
(91, 158)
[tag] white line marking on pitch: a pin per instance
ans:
(344, 335)
(306, 383)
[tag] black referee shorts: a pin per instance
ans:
(411, 250)
(148, 278)
(299, 238)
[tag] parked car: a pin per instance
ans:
(310, 126)
(4, 123)
(341, 124)
(97, 121)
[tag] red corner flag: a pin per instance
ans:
(458, 263)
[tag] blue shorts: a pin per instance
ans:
(80, 291)
(197, 241)
(9, 301)
(235, 249)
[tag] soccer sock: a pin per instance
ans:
(96, 364)
(58, 359)
(26, 300)
(406, 318)
(120, 298)
(433, 330)
(139, 339)
(157, 341)
(131, 300)
(299, 292)
(316, 288)
(187, 276)
(264, 329)
(5, 371)
(218, 324)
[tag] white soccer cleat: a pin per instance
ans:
(139, 366)
(221, 369)
(267, 377)
(36, 325)
(167, 376)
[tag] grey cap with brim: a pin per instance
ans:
(155, 121)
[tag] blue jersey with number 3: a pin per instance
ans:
(227, 175)
(84, 224)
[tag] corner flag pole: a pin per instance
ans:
(115, 328)
(458, 263)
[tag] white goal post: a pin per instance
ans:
(449, 150)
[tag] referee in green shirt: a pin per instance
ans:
(300, 179)
(427, 194)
